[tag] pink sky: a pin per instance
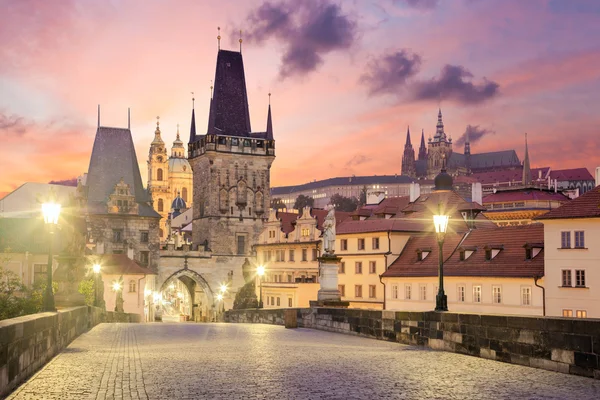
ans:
(58, 60)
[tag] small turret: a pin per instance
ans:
(526, 167)
(408, 158)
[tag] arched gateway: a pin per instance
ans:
(187, 294)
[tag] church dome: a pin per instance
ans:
(443, 181)
(178, 203)
(179, 165)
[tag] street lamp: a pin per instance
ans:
(51, 212)
(260, 271)
(96, 268)
(440, 221)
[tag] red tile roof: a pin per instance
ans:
(510, 261)
(120, 264)
(392, 205)
(573, 174)
(507, 175)
(585, 206)
(524, 195)
(381, 225)
(288, 219)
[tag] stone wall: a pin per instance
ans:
(27, 343)
(564, 345)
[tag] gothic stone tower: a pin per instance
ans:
(408, 158)
(158, 172)
(439, 148)
(231, 166)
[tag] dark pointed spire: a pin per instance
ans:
(408, 143)
(439, 129)
(526, 166)
(423, 148)
(269, 122)
(193, 126)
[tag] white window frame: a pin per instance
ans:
(423, 292)
(526, 293)
(394, 291)
(497, 294)
(461, 293)
(479, 297)
(408, 291)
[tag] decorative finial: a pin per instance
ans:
(193, 100)
(177, 131)
(219, 37)
(240, 40)
(157, 122)
(269, 98)
(211, 89)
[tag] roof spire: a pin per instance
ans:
(240, 41)
(178, 132)
(219, 37)
(269, 122)
(422, 148)
(211, 89)
(193, 100)
(408, 143)
(439, 129)
(526, 167)
(98, 115)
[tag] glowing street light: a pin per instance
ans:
(223, 288)
(219, 297)
(260, 271)
(116, 286)
(51, 212)
(440, 221)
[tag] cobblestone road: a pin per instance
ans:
(239, 361)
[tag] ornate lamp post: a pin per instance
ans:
(440, 221)
(51, 212)
(260, 271)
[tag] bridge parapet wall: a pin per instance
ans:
(566, 345)
(27, 343)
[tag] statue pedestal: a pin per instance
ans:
(329, 278)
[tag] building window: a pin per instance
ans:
(304, 254)
(361, 244)
(408, 291)
(372, 291)
(278, 301)
(423, 292)
(291, 255)
(290, 278)
(342, 289)
(159, 174)
(568, 313)
(579, 278)
(565, 240)
(279, 255)
(241, 244)
(272, 300)
(461, 294)
(315, 254)
(372, 267)
(581, 314)
(131, 286)
(579, 240)
(358, 267)
(476, 294)
(394, 291)
(526, 296)
(184, 194)
(305, 232)
(144, 257)
(290, 302)
(358, 291)
(117, 235)
(375, 243)
(161, 205)
(39, 273)
(343, 244)
(497, 294)
(566, 278)
(342, 268)
(144, 237)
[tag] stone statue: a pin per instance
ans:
(329, 231)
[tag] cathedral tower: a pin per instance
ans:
(408, 159)
(422, 148)
(231, 166)
(158, 172)
(439, 148)
(526, 167)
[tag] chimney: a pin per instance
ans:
(130, 253)
(414, 191)
(477, 193)
(540, 174)
(597, 176)
(555, 185)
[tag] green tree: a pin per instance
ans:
(15, 299)
(88, 290)
(277, 204)
(342, 203)
(303, 201)
(246, 297)
(363, 196)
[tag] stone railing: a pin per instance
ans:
(566, 345)
(29, 342)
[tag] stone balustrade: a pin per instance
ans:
(566, 345)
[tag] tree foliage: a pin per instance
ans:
(277, 204)
(303, 201)
(342, 203)
(246, 297)
(88, 290)
(363, 196)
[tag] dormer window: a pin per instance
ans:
(466, 252)
(532, 250)
(422, 254)
(492, 250)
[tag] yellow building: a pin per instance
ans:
(168, 177)
(289, 247)
(572, 235)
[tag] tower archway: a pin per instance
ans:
(186, 295)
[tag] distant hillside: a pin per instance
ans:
(65, 182)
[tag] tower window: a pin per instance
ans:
(184, 194)
(160, 205)
(159, 174)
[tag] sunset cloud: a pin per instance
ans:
(388, 73)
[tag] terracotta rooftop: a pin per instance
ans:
(381, 225)
(392, 205)
(507, 175)
(585, 206)
(509, 262)
(120, 264)
(573, 174)
(524, 195)
(288, 219)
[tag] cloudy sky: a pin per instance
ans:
(347, 78)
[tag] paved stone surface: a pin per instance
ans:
(242, 361)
